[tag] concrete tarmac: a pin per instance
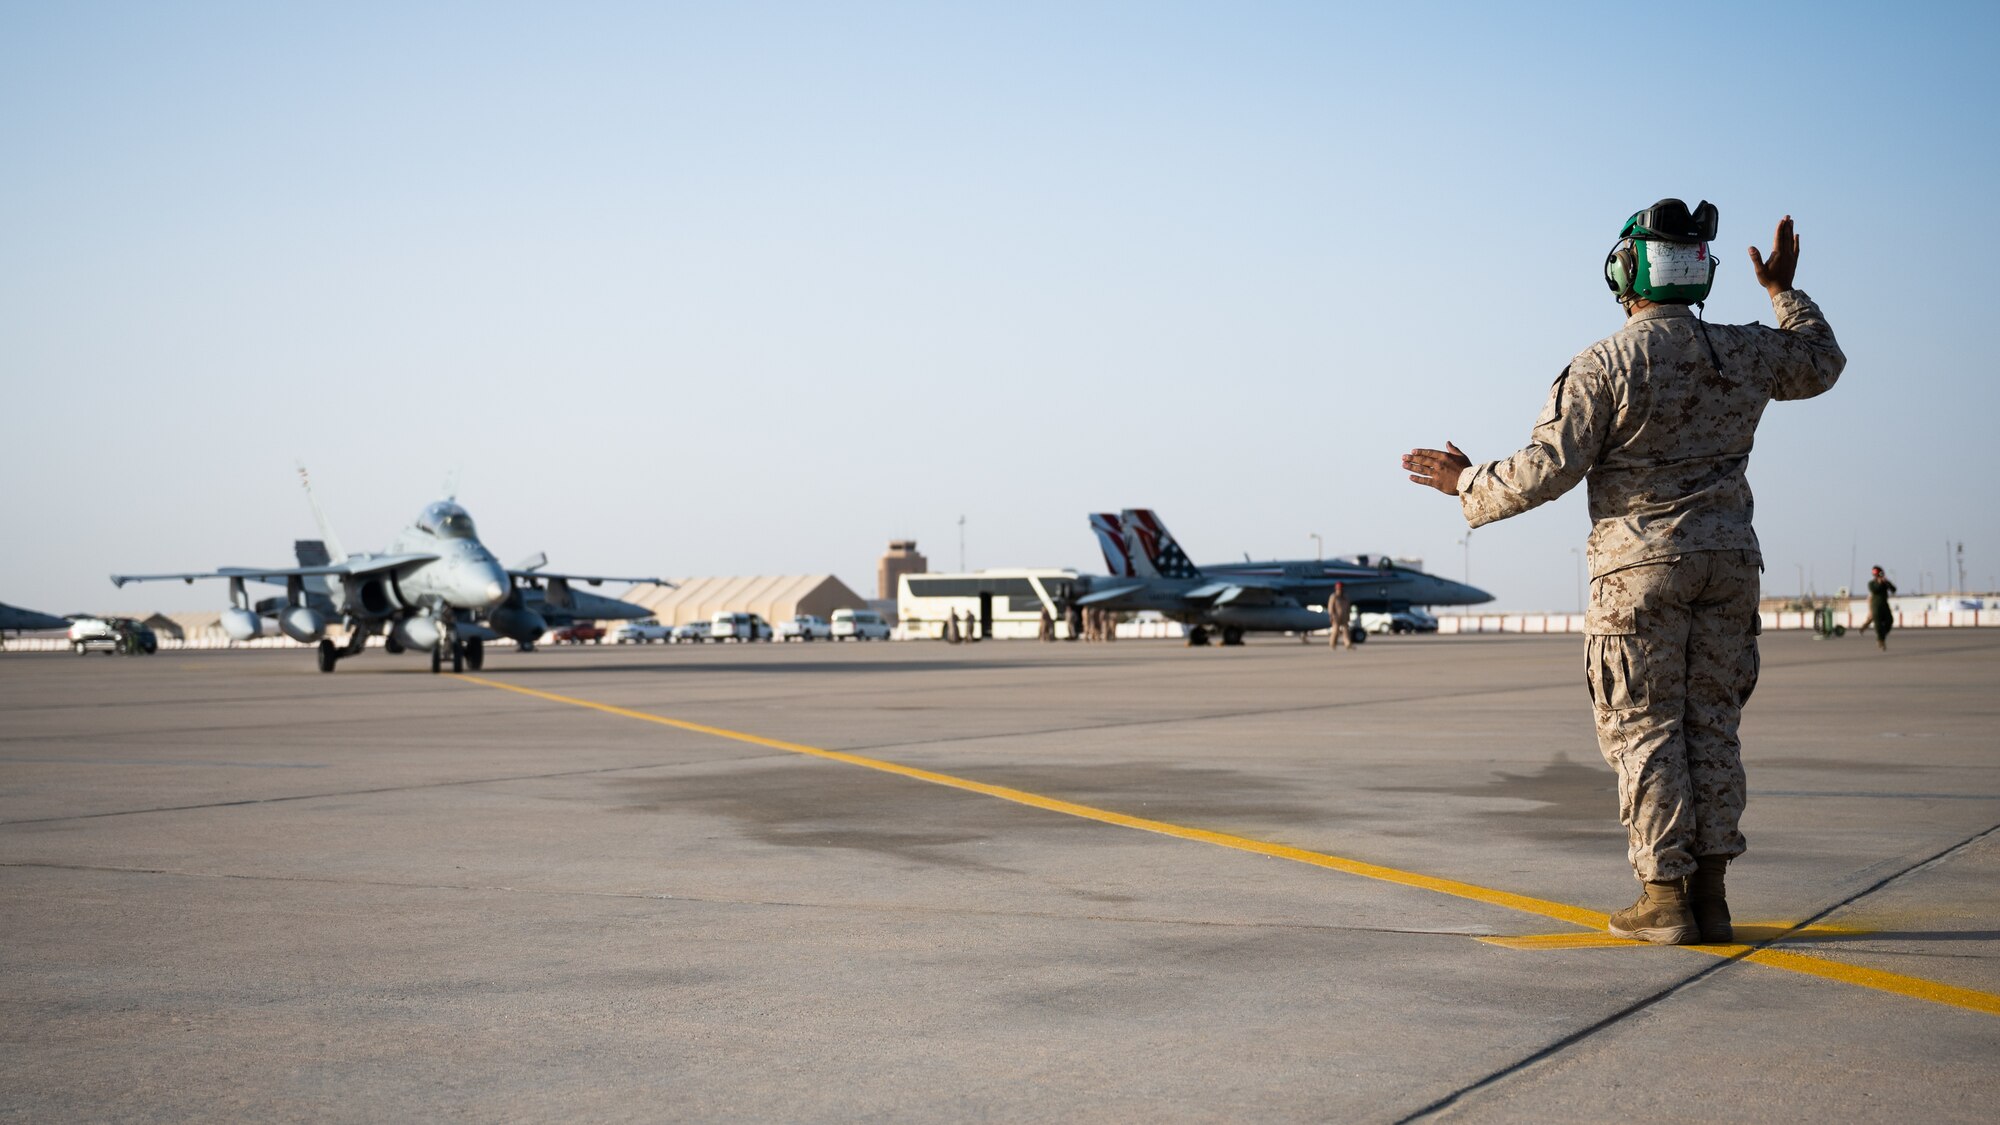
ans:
(1031, 883)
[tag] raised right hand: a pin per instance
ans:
(1775, 275)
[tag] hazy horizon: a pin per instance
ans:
(690, 290)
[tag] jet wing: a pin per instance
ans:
(14, 617)
(1237, 593)
(1102, 596)
(360, 565)
(588, 579)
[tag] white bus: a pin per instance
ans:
(1005, 604)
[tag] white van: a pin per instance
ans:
(859, 625)
(738, 627)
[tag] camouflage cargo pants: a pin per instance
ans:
(1671, 657)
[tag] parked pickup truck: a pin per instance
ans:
(1410, 620)
(641, 633)
(805, 627)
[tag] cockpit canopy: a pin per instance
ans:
(446, 520)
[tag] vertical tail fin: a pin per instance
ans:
(1155, 545)
(1111, 540)
(330, 540)
(312, 552)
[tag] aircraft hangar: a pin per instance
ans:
(775, 598)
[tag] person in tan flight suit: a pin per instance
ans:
(1337, 610)
(1659, 418)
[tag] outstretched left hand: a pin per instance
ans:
(1438, 468)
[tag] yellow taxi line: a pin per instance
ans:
(1575, 915)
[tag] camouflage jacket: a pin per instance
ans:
(1661, 430)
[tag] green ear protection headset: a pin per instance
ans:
(1662, 254)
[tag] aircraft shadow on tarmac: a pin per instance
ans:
(1573, 799)
(796, 805)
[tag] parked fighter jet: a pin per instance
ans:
(20, 620)
(1150, 571)
(542, 601)
(426, 591)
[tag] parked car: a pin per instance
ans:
(111, 635)
(805, 627)
(738, 627)
(859, 625)
(1401, 621)
(692, 633)
(583, 632)
(640, 633)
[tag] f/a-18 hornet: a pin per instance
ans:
(1150, 571)
(435, 588)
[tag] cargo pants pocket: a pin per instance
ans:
(1753, 658)
(1614, 665)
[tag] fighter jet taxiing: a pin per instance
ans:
(1150, 571)
(427, 591)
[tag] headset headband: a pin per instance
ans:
(1670, 221)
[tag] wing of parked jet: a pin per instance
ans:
(14, 617)
(586, 579)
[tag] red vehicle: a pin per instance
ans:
(580, 633)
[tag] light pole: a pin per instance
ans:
(961, 544)
(1467, 544)
(1319, 545)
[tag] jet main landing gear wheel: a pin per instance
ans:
(1197, 637)
(457, 657)
(328, 656)
(437, 658)
(1231, 635)
(475, 654)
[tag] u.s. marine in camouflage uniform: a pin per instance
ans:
(1659, 419)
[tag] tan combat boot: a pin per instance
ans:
(1661, 916)
(1706, 899)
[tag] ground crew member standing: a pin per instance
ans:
(1338, 609)
(1659, 418)
(1879, 613)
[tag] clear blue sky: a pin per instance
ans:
(754, 288)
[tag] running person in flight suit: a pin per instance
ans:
(1659, 418)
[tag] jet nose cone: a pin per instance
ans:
(1471, 595)
(486, 587)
